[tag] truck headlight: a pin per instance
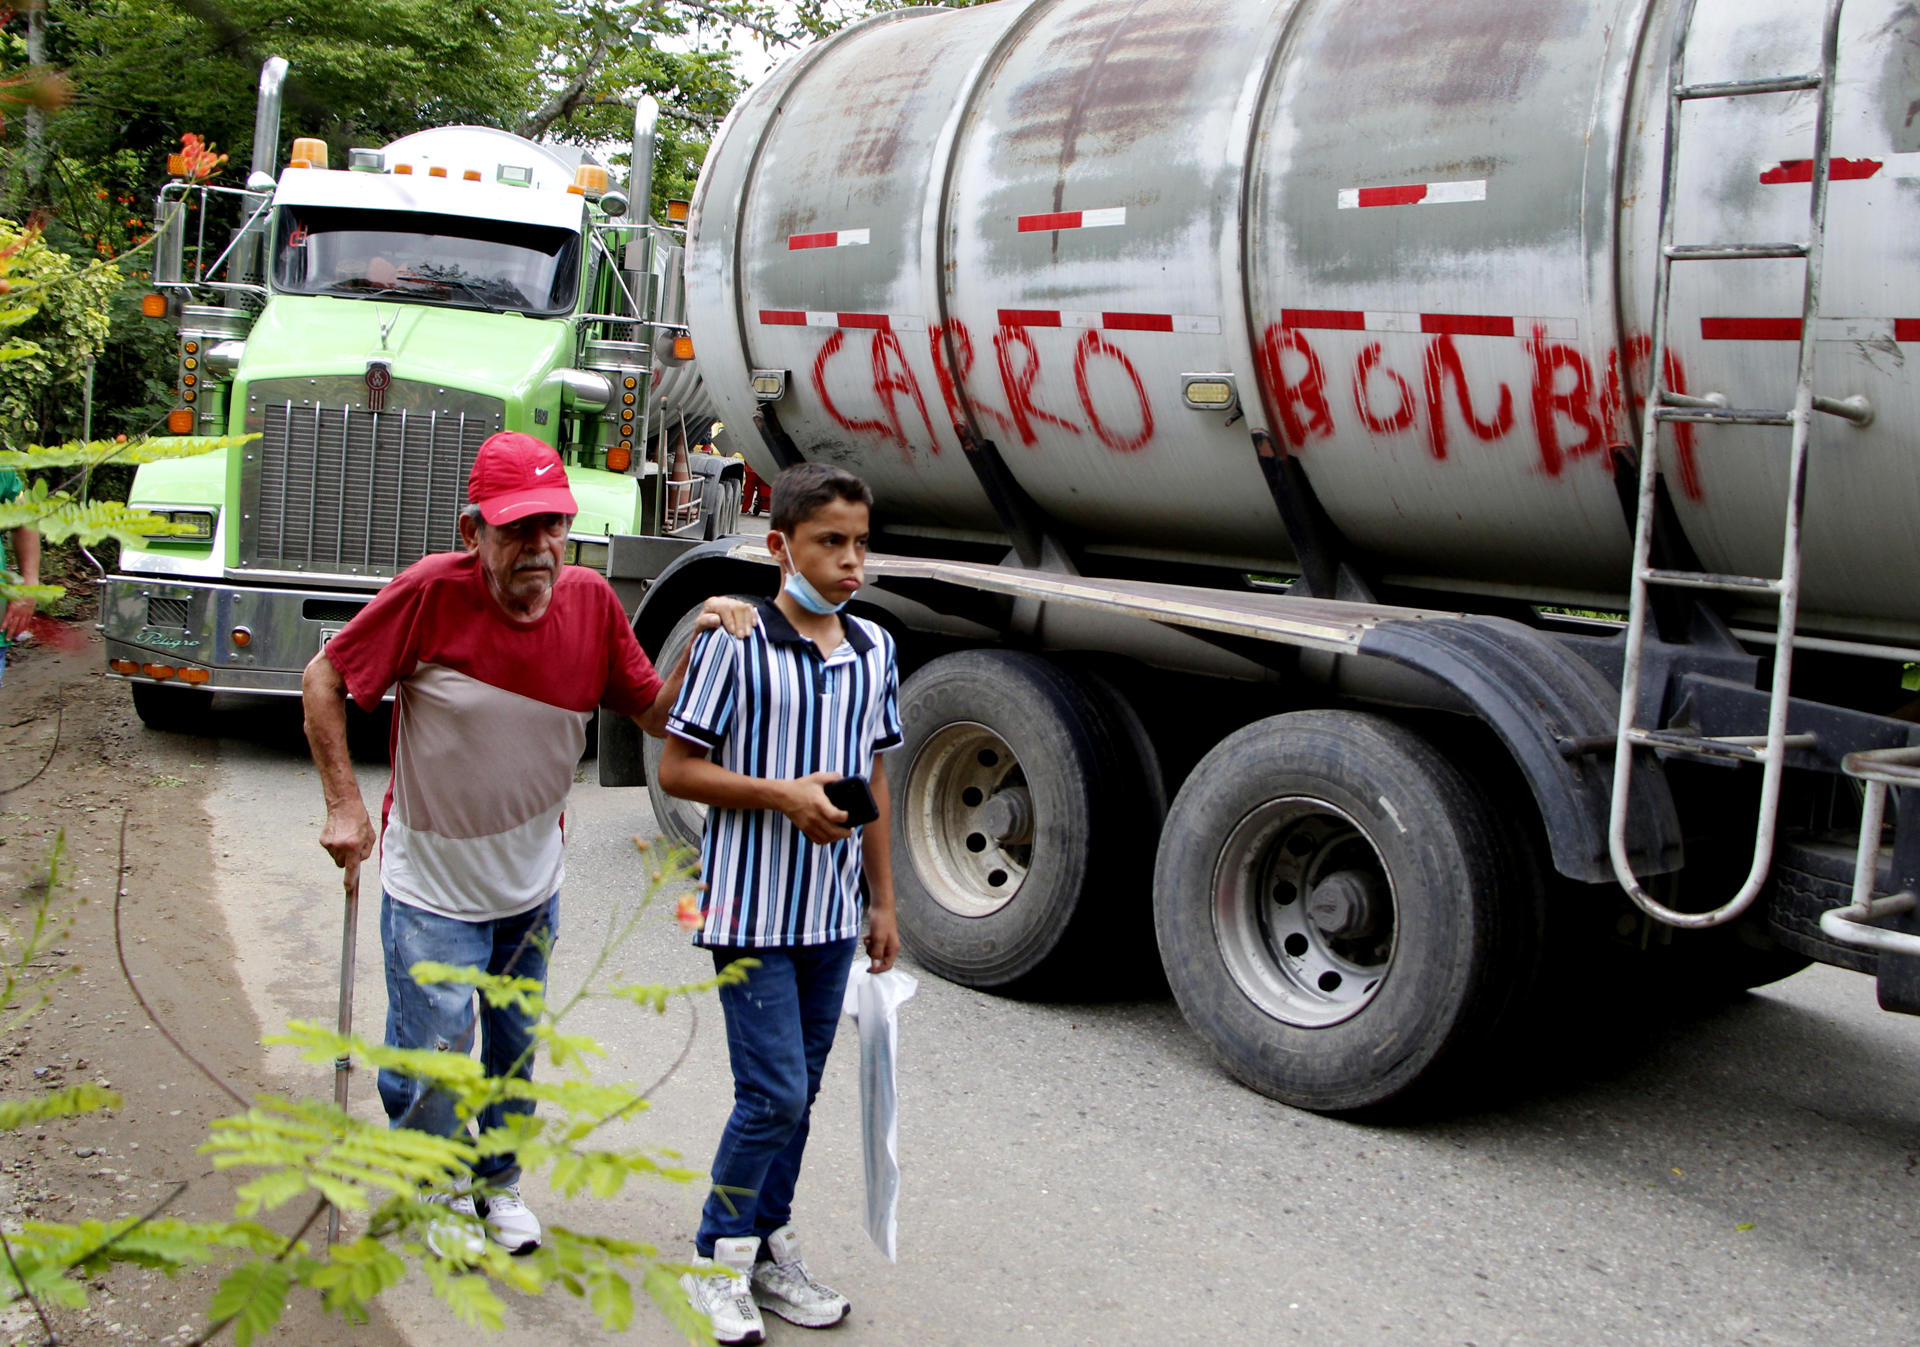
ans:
(200, 521)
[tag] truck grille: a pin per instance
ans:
(333, 488)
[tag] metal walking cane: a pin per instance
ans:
(343, 1064)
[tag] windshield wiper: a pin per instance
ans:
(472, 290)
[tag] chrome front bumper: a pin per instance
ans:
(182, 624)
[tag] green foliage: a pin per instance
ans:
(94, 454)
(25, 987)
(252, 1297)
(301, 1150)
(67, 1103)
(57, 311)
(55, 1261)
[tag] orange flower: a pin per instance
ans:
(198, 160)
(687, 911)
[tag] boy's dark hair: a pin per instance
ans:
(800, 491)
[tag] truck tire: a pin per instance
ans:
(172, 710)
(681, 821)
(1019, 812)
(722, 514)
(1331, 908)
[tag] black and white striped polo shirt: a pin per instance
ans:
(769, 706)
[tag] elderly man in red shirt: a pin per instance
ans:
(500, 655)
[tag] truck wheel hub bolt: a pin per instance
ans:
(1345, 905)
(1007, 816)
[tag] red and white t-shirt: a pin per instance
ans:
(488, 726)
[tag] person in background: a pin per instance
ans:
(762, 726)
(22, 560)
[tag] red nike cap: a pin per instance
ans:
(514, 476)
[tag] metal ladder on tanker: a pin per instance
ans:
(1664, 405)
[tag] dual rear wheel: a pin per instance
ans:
(1338, 912)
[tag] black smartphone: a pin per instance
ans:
(851, 794)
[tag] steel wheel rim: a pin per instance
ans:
(956, 828)
(1281, 861)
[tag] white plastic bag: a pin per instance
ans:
(874, 1000)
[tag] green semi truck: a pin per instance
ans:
(370, 324)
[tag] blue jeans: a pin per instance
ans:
(780, 1026)
(442, 1016)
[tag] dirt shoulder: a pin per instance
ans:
(106, 767)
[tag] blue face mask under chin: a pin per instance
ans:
(801, 590)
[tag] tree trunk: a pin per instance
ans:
(36, 137)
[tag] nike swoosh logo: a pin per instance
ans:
(541, 472)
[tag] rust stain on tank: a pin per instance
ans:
(1449, 52)
(896, 91)
(1118, 69)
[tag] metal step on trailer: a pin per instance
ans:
(1888, 925)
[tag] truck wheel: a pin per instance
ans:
(731, 524)
(176, 710)
(1329, 903)
(681, 821)
(723, 509)
(1019, 810)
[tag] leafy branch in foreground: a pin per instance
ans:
(309, 1149)
(25, 988)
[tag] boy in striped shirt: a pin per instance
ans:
(761, 727)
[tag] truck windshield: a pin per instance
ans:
(429, 259)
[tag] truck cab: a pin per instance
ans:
(367, 326)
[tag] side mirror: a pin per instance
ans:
(260, 182)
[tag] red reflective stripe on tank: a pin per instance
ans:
(1137, 322)
(784, 317)
(1352, 320)
(1750, 329)
(1409, 195)
(1906, 329)
(1029, 318)
(876, 321)
(799, 241)
(1066, 219)
(1466, 324)
(1838, 170)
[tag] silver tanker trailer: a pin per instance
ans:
(1384, 505)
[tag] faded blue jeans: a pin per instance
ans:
(780, 1026)
(443, 1016)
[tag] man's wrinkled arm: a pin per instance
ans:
(348, 834)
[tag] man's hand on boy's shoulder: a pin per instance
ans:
(805, 802)
(737, 615)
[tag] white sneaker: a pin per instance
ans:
(510, 1222)
(781, 1284)
(721, 1290)
(456, 1235)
